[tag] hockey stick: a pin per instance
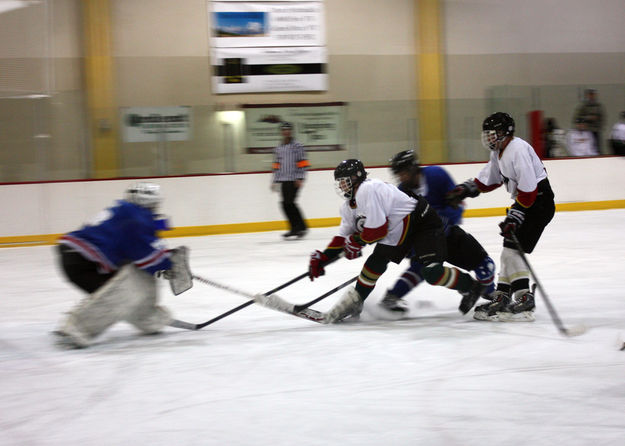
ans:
(574, 331)
(190, 326)
(277, 303)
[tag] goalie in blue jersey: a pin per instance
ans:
(116, 259)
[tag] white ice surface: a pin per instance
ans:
(259, 377)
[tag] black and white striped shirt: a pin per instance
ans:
(289, 162)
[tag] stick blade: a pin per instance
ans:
(184, 325)
(577, 330)
(274, 302)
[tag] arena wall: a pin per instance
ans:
(36, 213)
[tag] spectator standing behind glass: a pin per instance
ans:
(593, 113)
(555, 139)
(289, 169)
(617, 136)
(580, 141)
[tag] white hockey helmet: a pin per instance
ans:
(147, 195)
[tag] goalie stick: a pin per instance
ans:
(191, 326)
(574, 331)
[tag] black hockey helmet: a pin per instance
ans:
(405, 160)
(347, 175)
(495, 129)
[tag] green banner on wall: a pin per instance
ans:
(319, 127)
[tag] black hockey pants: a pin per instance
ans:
(537, 217)
(80, 271)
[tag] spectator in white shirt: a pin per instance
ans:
(580, 141)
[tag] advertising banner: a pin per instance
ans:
(262, 24)
(260, 46)
(150, 124)
(319, 127)
(246, 70)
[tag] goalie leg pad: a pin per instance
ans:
(147, 315)
(180, 277)
(70, 335)
(151, 320)
(111, 303)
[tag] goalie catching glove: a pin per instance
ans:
(514, 219)
(179, 276)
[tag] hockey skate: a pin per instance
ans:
(291, 235)
(470, 297)
(522, 308)
(497, 310)
(348, 308)
(397, 306)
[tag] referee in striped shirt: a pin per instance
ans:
(289, 169)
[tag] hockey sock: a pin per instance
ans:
(453, 278)
(519, 286)
(503, 287)
(408, 280)
(373, 268)
(512, 266)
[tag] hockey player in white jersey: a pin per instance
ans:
(115, 260)
(512, 162)
(399, 225)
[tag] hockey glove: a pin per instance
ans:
(315, 267)
(467, 189)
(514, 219)
(179, 276)
(353, 247)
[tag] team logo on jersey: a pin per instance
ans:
(360, 222)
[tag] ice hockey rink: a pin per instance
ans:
(259, 377)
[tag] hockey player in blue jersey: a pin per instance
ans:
(463, 250)
(115, 259)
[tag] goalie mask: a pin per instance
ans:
(495, 129)
(147, 195)
(347, 175)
